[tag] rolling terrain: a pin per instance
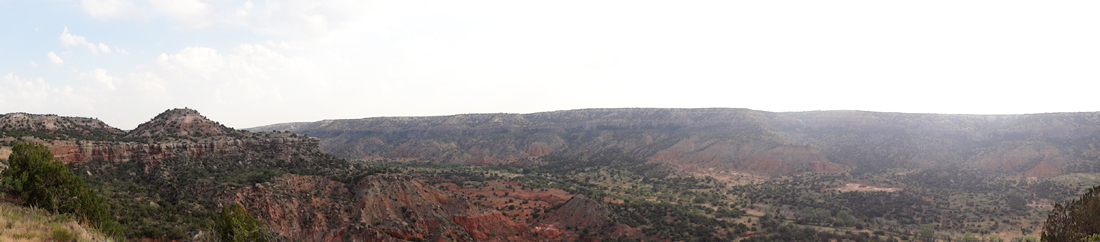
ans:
(711, 141)
(987, 175)
(590, 175)
(166, 179)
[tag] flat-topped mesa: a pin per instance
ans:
(53, 124)
(180, 123)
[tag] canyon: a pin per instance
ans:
(590, 174)
(716, 141)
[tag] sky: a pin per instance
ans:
(252, 63)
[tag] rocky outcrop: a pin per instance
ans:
(173, 134)
(79, 151)
(385, 207)
(182, 159)
(54, 125)
(591, 218)
(180, 123)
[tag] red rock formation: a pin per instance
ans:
(706, 155)
(385, 207)
(1032, 159)
(180, 132)
(69, 151)
(583, 214)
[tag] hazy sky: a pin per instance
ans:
(251, 63)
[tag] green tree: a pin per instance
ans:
(236, 225)
(1027, 239)
(994, 238)
(845, 218)
(1074, 220)
(44, 182)
(969, 238)
(1092, 238)
(927, 233)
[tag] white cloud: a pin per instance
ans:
(203, 61)
(190, 13)
(33, 64)
(248, 77)
(300, 18)
(54, 58)
(447, 57)
(251, 71)
(296, 18)
(69, 39)
(108, 9)
(104, 48)
(293, 45)
(76, 40)
(100, 77)
(35, 94)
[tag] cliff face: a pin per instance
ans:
(712, 140)
(182, 160)
(720, 140)
(79, 151)
(383, 207)
(173, 134)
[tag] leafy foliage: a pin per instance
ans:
(234, 224)
(46, 183)
(1075, 220)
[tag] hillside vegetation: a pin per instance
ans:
(990, 176)
(714, 141)
(590, 175)
(18, 223)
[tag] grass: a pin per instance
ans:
(18, 223)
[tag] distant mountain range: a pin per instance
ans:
(715, 141)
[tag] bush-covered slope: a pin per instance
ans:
(730, 139)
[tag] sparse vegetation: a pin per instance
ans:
(936, 193)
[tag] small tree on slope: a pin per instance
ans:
(1075, 220)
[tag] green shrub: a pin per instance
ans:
(1074, 220)
(61, 233)
(47, 183)
(234, 224)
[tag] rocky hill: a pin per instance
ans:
(167, 176)
(174, 133)
(720, 140)
(21, 124)
(590, 217)
(181, 123)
